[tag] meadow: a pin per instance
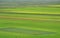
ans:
(30, 22)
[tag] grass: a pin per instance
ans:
(28, 24)
(49, 23)
(45, 25)
(37, 10)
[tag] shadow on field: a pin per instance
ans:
(26, 31)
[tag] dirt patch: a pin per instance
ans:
(26, 31)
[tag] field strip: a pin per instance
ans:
(29, 12)
(23, 18)
(27, 31)
(43, 29)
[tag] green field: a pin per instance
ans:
(39, 10)
(41, 22)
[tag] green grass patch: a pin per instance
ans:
(37, 10)
(48, 20)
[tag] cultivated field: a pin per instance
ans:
(30, 22)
